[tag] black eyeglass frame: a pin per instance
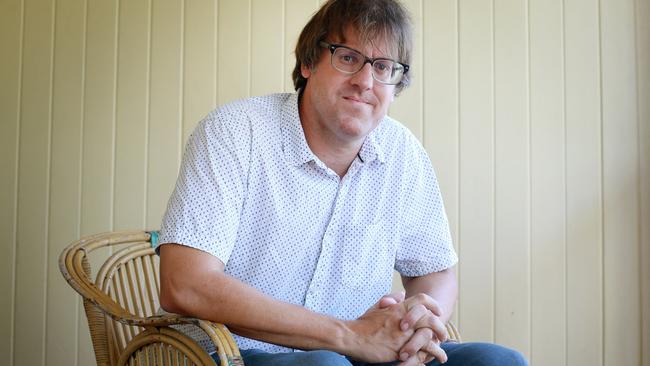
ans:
(367, 60)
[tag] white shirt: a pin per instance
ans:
(252, 193)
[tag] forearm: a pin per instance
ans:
(441, 286)
(250, 313)
(206, 292)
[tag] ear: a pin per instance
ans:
(305, 71)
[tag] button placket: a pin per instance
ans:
(327, 244)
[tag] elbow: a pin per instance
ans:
(169, 302)
(173, 293)
(174, 283)
(170, 299)
(185, 273)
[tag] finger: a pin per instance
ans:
(421, 338)
(425, 357)
(433, 350)
(425, 300)
(415, 360)
(435, 324)
(413, 316)
(395, 297)
(391, 299)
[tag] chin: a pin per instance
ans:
(357, 131)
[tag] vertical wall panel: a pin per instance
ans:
(296, 15)
(439, 77)
(267, 71)
(99, 117)
(643, 77)
(10, 66)
(61, 345)
(33, 179)
(199, 63)
(583, 184)
(407, 107)
(131, 113)
(620, 185)
(234, 50)
(476, 170)
(97, 169)
(548, 183)
(547, 197)
(165, 109)
(440, 91)
(512, 206)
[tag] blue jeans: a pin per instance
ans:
(459, 354)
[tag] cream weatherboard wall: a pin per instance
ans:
(536, 114)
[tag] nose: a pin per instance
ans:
(363, 78)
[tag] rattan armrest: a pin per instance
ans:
(219, 334)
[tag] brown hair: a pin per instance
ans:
(373, 20)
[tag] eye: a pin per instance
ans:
(348, 57)
(383, 66)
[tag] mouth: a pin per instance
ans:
(357, 100)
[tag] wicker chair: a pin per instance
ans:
(121, 305)
(122, 302)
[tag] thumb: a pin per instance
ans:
(391, 299)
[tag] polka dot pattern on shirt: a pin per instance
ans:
(252, 193)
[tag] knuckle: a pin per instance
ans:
(421, 297)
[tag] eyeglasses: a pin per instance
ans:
(350, 61)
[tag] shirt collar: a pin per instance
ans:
(294, 144)
(371, 148)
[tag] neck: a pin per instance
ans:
(339, 160)
(336, 153)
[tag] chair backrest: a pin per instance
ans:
(128, 276)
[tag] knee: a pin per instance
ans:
(324, 358)
(487, 354)
(510, 357)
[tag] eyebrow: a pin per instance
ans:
(356, 50)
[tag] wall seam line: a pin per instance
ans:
(565, 234)
(181, 94)
(284, 43)
(530, 180)
(424, 74)
(116, 70)
(494, 175)
(81, 162)
(250, 48)
(602, 182)
(216, 51)
(12, 341)
(530, 205)
(17, 180)
(421, 84)
(638, 180)
(457, 157)
(147, 117)
(48, 182)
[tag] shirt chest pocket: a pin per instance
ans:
(367, 256)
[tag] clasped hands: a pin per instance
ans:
(409, 330)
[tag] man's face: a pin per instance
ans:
(344, 108)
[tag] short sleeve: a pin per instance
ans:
(204, 209)
(425, 240)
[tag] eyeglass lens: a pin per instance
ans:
(350, 61)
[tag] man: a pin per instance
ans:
(291, 211)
